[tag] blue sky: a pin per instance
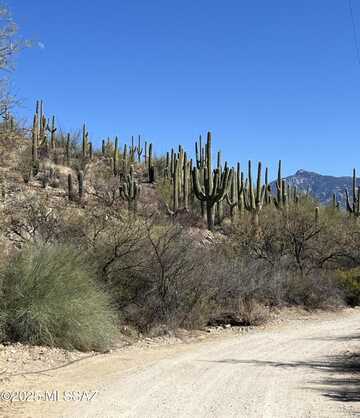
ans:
(270, 79)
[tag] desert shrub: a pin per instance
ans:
(31, 219)
(154, 273)
(103, 185)
(349, 281)
(25, 165)
(49, 297)
(318, 289)
(252, 312)
(290, 259)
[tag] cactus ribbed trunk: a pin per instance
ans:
(215, 188)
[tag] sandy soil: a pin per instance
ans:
(304, 367)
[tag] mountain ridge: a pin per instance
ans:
(320, 186)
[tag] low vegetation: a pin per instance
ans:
(94, 238)
(49, 296)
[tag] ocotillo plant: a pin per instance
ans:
(215, 187)
(353, 207)
(130, 190)
(254, 199)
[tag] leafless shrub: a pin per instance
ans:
(252, 312)
(30, 219)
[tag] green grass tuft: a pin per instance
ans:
(49, 296)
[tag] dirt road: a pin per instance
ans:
(305, 368)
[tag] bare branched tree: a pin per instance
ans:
(10, 45)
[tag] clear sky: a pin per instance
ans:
(270, 78)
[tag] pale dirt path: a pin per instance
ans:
(280, 372)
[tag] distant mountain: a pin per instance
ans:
(321, 187)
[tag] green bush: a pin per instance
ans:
(49, 297)
(350, 283)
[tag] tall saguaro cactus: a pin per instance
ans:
(85, 138)
(139, 149)
(115, 156)
(353, 207)
(81, 184)
(130, 190)
(254, 199)
(52, 129)
(215, 187)
(70, 187)
(151, 168)
(67, 150)
(35, 136)
(281, 199)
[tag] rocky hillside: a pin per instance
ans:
(321, 187)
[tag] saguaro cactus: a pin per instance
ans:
(130, 190)
(254, 199)
(67, 150)
(220, 204)
(52, 129)
(353, 207)
(187, 181)
(317, 215)
(115, 157)
(281, 199)
(125, 161)
(70, 187)
(35, 134)
(215, 187)
(151, 168)
(176, 186)
(232, 197)
(81, 184)
(139, 149)
(200, 154)
(268, 195)
(85, 136)
(132, 150)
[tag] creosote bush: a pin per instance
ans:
(350, 283)
(49, 296)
